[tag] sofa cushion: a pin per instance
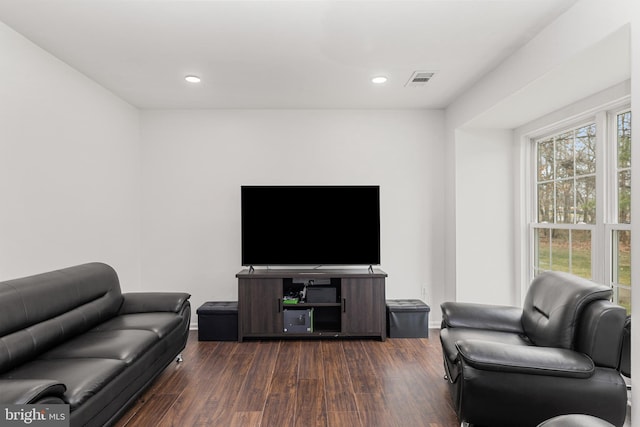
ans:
(159, 323)
(82, 377)
(553, 305)
(125, 345)
(450, 336)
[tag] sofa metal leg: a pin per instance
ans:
(179, 358)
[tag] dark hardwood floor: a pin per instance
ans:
(282, 383)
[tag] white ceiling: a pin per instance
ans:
(281, 54)
(599, 67)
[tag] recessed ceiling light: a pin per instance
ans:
(379, 80)
(192, 79)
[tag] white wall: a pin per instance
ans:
(69, 167)
(484, 216)
(551, 51)
(635, 203)
(583, 26)
(194, 163)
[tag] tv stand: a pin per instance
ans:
(311, 303)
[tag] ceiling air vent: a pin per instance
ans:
(419, 78)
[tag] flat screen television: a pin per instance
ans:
(310, 225)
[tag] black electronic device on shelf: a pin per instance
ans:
(319, 294)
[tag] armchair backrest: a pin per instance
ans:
(625, 355)
(553, 306)
(600, 333)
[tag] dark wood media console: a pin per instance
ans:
(356, 305)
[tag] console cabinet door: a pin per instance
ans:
(364, 306)
(259, 306)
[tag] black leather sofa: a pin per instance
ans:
(559, 354)
(71, 337)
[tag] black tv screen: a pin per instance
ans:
(310, 225)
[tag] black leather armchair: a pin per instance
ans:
(557, 355)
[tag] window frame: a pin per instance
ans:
(612, 223)
(603, 252)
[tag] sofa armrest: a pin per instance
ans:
(21, 392)
(147, 302)
(481, 316)
(549, 361)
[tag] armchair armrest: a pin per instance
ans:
(482, 316)
(549, 361)
(20, 392)
(146, 302)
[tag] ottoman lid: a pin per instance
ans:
(407, 305)
(218, 307)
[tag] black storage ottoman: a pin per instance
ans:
(407, 318)
(218, 321)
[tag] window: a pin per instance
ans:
(565, 188)
(582, 220)
(620, 230)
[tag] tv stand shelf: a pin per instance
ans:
(357, 309)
